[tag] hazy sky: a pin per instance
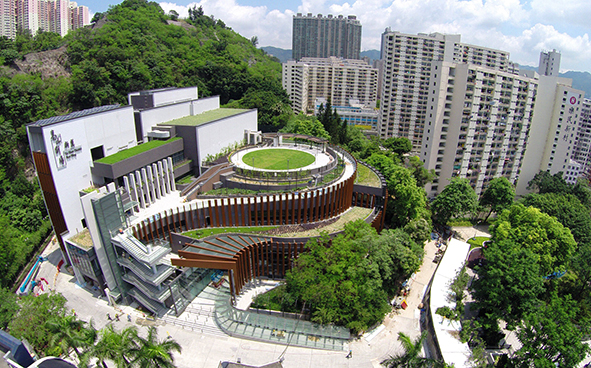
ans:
(523, 28)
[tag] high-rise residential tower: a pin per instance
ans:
(334, 79)
(549, 63)
(57, 16)
(322, 37)
(478, 120)
(407, 75)
(8, 18)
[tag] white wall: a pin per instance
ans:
(154, 116)
(112, 129)
(213, 137)
(174, 95)
(205, 104)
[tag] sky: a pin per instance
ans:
(524, 28)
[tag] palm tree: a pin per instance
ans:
(119, 347)
(70, 333)
(154, 353)
(410, 358)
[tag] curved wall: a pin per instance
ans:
(272, 209)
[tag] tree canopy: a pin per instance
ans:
(498, 195)
(457, 199)
(348, 280)
(547, 238)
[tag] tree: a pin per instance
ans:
(543, 182)
(457, 199)
(552, 336)
(410, 358)
(174, 15)
(337, 282)
(302, 124)
(547, 238)
(509, 284)
(399, 146)
(8, 307)
(567, 209)
(69, 333)
(498, 195)
(254, 40)
(30, 321)
(155, 353)
(407, 201)
(119, 347)
(422, 175)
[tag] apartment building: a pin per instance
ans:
(57, 16)
(477, 123)
(406, 77)
(8, 18)
(322, 37)
(335, 79)
(555, 130)
(582, 150)
(549, 63)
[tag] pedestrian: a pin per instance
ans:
(169, 337)
(128, 318)
(109, 317)
(350, 355)
(117, 316)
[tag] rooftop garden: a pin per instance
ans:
(82, 239)
(133, 151)
(366, 176)
(206, 117)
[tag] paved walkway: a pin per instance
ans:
(206, 346)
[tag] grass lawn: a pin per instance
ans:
(203, 233)
(130, 152)
(477, 241)
(277, 159)
(367, 177)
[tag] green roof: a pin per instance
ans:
(133, 151)
(205, 117)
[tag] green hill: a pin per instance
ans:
(133, 46)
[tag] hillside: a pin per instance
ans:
(133, 46)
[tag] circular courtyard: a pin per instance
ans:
(278, 159)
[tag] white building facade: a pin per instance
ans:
(478, 121)
(334, 79)
(407, 76)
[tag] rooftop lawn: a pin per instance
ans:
(133, 151)
(206, 117)
(278, 159)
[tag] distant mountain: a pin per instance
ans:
(581, 80)
(372, 54)
(281, 54)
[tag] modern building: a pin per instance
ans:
(102, 170)
(408, 75)
(355, 114)
(554, 131)
(57, 16)
(322, 37)
(549, 63)
(477, 124)
(335, 79)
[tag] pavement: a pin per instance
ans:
(205, 347)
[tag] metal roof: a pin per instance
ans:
(73, 115)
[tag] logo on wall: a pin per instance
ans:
(63, 151)
(573, 100)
